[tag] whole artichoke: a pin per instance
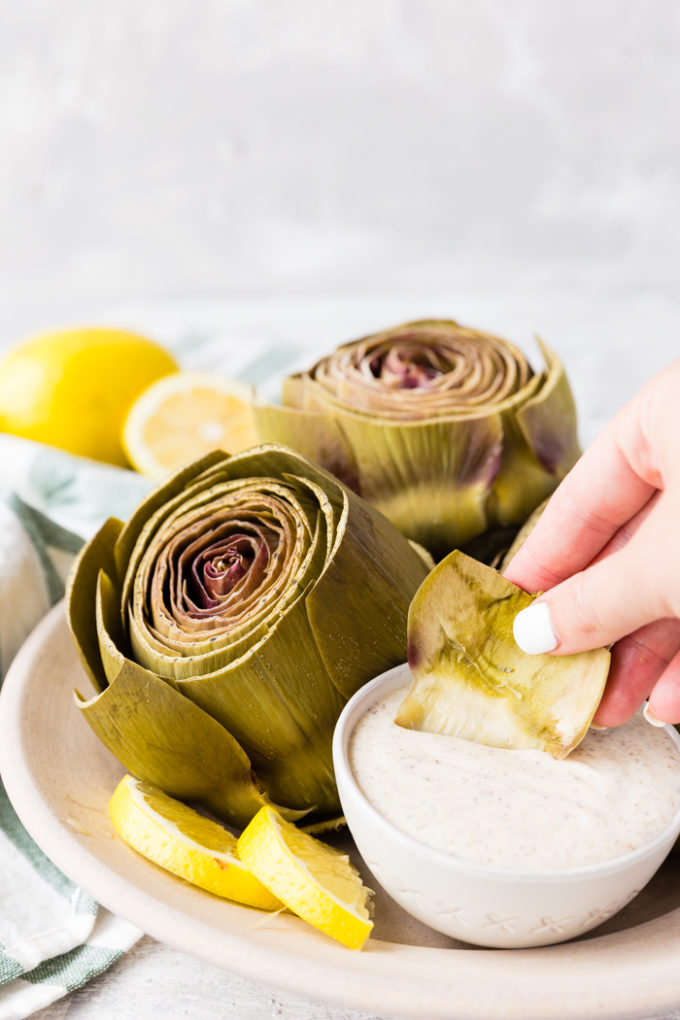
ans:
(227, 623)
(447, 430)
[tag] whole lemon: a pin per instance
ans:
(73, 388)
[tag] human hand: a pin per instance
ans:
(606, 552)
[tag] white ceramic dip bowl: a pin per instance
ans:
(477, 903)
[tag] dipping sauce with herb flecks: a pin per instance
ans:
(519, 809)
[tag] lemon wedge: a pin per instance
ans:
(313, 880)
(72, 388)
(185, 415)
(182, 841)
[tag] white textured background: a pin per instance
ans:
(226, 147)
(311, 170)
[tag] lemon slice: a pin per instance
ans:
(185, 415)
(180, 840)
(312, 879)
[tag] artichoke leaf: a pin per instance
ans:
(81, 595)
(109, 629)
(548, 419)
(163, 738)
(315, 435)
(541, 444)
(471, 680)
(357, 637)
(279, 703)
(431, 479)
(508, 501)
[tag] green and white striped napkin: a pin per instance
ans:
(53, 936)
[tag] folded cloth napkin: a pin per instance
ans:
(53, 936)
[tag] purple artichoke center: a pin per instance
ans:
(404, 368)
(217, 570)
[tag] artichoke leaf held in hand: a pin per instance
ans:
(228, 622)
(471, 680)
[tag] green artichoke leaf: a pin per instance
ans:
(509, 502)
(81, 595)
(278, 702)
(110, 632)
(163, 738)
(316, 435)
(540, 445)
(430, 478)
(548, 419)
(471, 680)
(353, 645)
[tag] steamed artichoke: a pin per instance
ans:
(227, 623)
(447, 430)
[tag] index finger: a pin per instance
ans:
(605, 489)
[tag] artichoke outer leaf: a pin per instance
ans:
(81, 595)
(318, 436)
(109, 629)
(471, 680)
(280, 704)
(430, 478)
(163, 738)
(522, 481)
(355, 590)
(548, 419)
(540, 445)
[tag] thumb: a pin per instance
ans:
(614, 596)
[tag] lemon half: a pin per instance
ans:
(73, 388)
(182, 841)
(180, 418)
(312, 879)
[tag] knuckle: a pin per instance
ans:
(647, 654)
(588, 520)
(542, 576)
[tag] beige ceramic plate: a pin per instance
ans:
(60, 777)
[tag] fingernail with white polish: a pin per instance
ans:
(533, 629)
(650, 717)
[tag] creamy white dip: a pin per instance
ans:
(519, 809)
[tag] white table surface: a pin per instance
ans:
(609, 343)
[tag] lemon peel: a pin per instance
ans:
(315, 881)
(182, 841)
